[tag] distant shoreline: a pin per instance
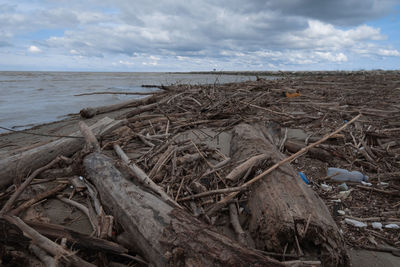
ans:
(291, 73)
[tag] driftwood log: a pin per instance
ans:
(91, 112)
(23, 163)
(284, 211)
(164, 234)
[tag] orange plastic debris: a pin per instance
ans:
(291, 95)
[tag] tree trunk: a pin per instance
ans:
(283, 208)
(27, 161)
(91, 112)
(165, 235)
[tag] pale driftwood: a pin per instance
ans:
(165, 235)
(242, 237)
(48, 245)
(47, 260)
(140, 110)
(91, 141)
(91, 112)
(120, 93)
(23, 163)
(283, 209)
(240, 170)
(142, 176)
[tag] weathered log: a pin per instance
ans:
(80, 240)
(23, 163)
(165, 235)
(283, 208)
(91, 112)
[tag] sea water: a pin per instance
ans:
(31, 98)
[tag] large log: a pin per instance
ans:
(165, 235)
(93, 111)
(27, 161)
(283, 208)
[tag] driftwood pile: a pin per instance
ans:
(208, 175)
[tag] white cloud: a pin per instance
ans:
(34, 49)
(338, 57)
(388, 52)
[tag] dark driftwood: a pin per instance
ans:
(317, 153)
(165, 235)
(27, 161)
(78, 239)
(283, 208)
(90, 112)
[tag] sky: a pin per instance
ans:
(199, 35)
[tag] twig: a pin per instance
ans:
(37, 198)
(391, 193)
(25, 184)
(82, 208)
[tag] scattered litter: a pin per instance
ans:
(344, 194)
(366, 184)
(383, 184)
(355, 223)
(376, 225)
(341, 212)
(336, 200)
(392, 226)
(338, 174)
(326, 187)
(304, 177)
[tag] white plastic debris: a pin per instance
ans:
(341, 212)
(383, 184)
(336, 200)
(392, 226)
(355, 223)
(326, 187)
(365, 183)
(344, 194)
(80, 177)
(376, 225)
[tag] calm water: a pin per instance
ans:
(31, 98)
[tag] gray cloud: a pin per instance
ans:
(258, 33)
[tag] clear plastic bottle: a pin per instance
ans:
(343, 175)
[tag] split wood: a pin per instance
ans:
(237, 189)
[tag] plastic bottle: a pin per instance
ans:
(338, 174)
(304, 177)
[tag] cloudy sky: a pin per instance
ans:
(189, 35)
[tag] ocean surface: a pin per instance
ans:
(31, 98)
